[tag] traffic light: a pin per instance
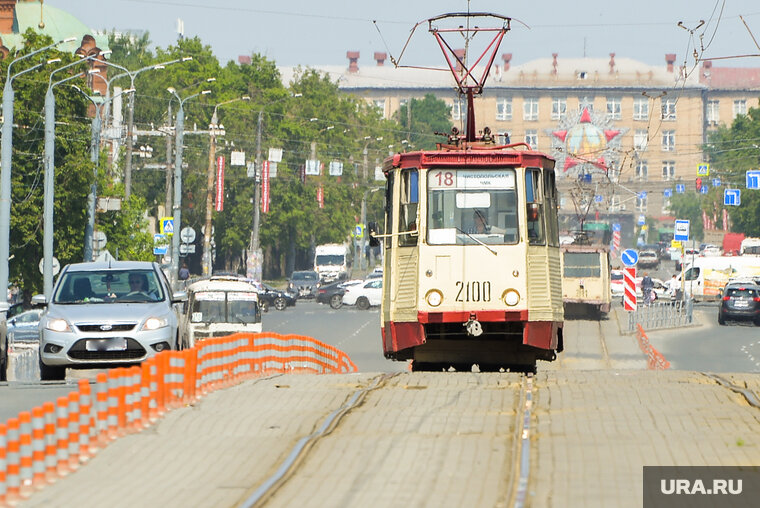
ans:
(699, 184)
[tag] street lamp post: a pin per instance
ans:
(215, 129)
(177, 208)
(49, 179)
(94, 157)
(6, 160)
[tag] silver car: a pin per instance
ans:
(105, 313)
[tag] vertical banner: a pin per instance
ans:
(265, 186)
(220, 183)
(320, 197)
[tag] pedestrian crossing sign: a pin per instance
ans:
(167, 226)
(703, 169)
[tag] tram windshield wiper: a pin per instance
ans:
(477, 241)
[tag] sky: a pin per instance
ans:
(315, 33)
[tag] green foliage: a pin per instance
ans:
(127, 231)
(734, 150)
(688, 206)
(428, 116)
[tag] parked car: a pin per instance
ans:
(649, 259)
(24, 327)
(740, 301)
(303, 284)
(219, 306)
(107, 313)
(364, 295)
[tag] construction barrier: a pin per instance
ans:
(655, 359)
(52, 440)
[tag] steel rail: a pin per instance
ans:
(299, 451)
(748, 394)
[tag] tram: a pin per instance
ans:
(472, 257)
(586, 279)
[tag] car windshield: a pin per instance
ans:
(224, 307)
(109, 286)
(330, 259)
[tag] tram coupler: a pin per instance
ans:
(473, 327)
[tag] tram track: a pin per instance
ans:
(750, 396)
(603, 344)
(289, 466)
(521, 449)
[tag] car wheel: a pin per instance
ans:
(280, 303)
(336, 301)
(721, 321)
(362, 303)
(264, 306)
(50, 373)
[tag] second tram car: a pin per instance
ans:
(472, 258)
(586, 279)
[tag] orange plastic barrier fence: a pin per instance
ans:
(40, 446)
(656, 360)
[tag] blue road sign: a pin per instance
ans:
(642, 220)
(359, 231)
(598, 198)
(629, 257)
(681, 233)
(753, 179)
(616, 227)
(716, 182)
(680, 188)
(704, 189)
(168, 225)
(642, 194)
(732, 197)
(703, 169)
(668, 193)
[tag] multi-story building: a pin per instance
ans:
(625, 134)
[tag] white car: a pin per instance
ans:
(364, 295)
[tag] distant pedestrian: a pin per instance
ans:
(647, 288)
(184, 273)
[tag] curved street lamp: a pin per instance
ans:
(177, 208)
(6, 160)
(215, 129)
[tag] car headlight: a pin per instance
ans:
(57, 325)
(154, 323)
(511, 297)
(434, 298)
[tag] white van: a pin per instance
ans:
(707, 276)
(219, 306)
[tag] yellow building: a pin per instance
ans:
(624, 133)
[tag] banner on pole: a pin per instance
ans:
(265, 187)
(320, 197)
(312, 167)
(275, 154)
(336, 168)
(237, 158)
(220, 183)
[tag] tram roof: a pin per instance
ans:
(482, 157)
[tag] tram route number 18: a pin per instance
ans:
(444, 179)
(474, 291)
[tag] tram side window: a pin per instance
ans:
(408, 202)
(534, 206)
(550, 194)
(389, 206)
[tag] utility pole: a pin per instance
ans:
(207, 269)
(168, 203)
(256, 189)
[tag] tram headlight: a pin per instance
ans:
(434, 298)
(511, 297)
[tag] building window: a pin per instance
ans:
(641, 108)
(530, 109)
(668, 141)
(504, 108)
(380, 105)
(666, 206)
(640, 139)
(614, 111)
(668, 170)
(740, 107)
(642, 171)
(641, 204)
(713, 112)
(559, 108)
(586, 102)
(615, 204)
(457, 110)
(531, 137)
(669, 109)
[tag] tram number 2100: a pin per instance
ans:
(475, 291)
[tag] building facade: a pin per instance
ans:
(626, 135)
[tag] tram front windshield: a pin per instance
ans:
(467, 207)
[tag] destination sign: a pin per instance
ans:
(471, 179)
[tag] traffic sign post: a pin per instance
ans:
(616, 238)
(167, 226)
(680, 188)
(160, 244)
(703, 169)
(704, 189)
(642, 220)
(681, 232)
(629, 284)
(753, 179)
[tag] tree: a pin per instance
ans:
(428, 116)
(732, 151)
